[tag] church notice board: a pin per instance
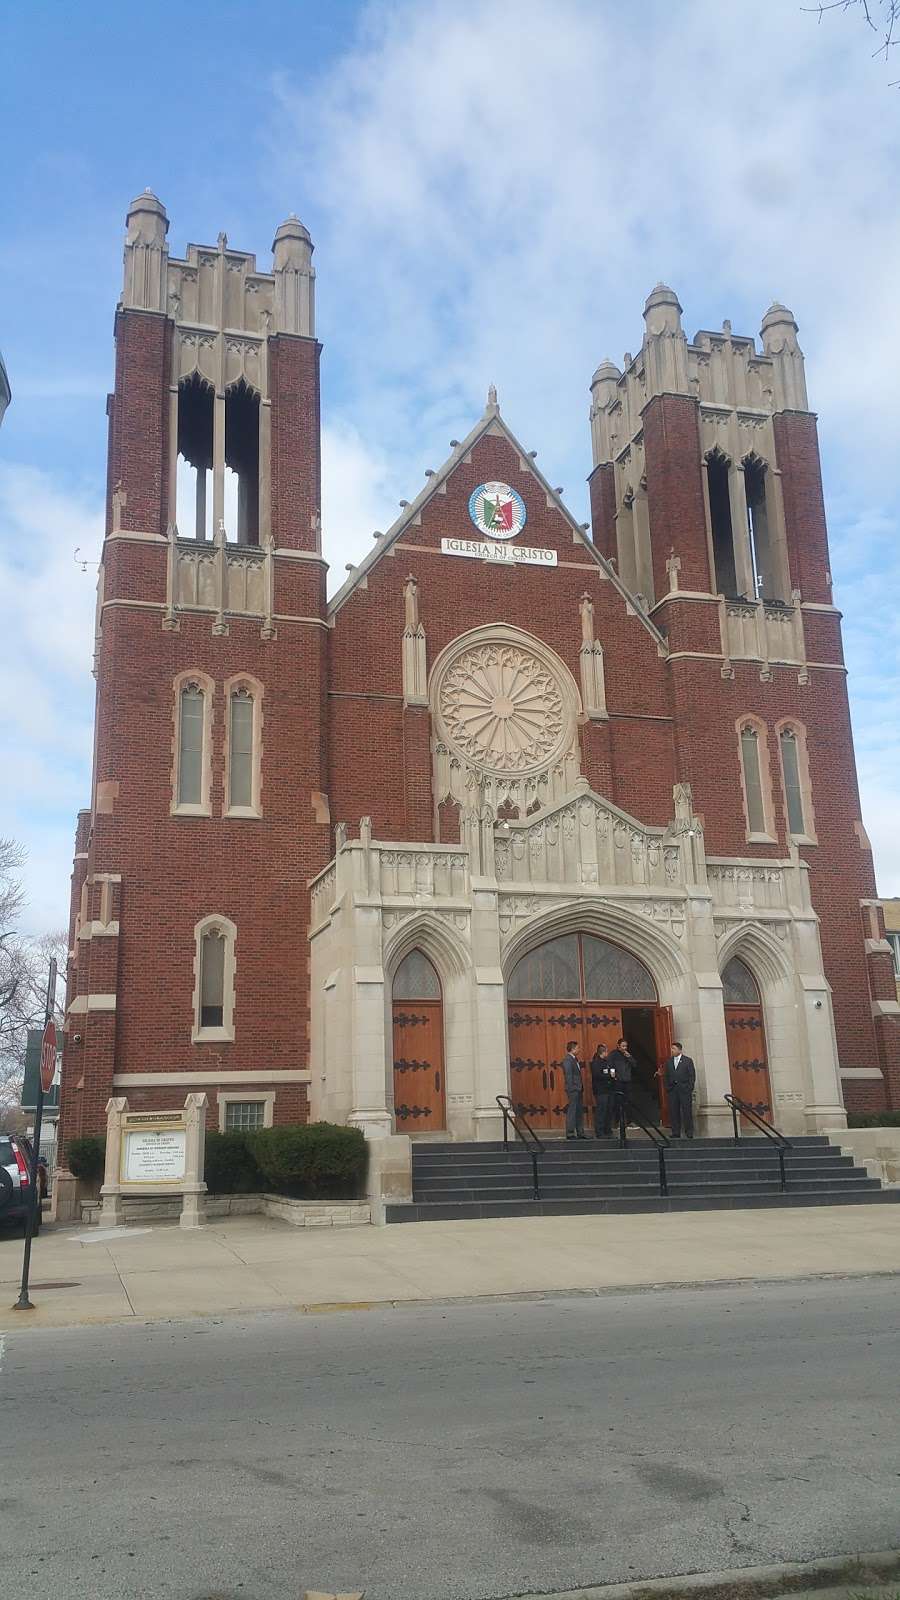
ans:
(154, 1148)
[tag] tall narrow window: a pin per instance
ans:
(240, 750)
(753, 790)
(764, 579)
(718, 468)
(793, 790)
(195, 458)
(190, 745)
(214, 970)
(242, 463)
(212, 978)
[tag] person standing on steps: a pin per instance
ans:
(679, 1076)
(603, 1085)
(574, 1092)
(621, 1067)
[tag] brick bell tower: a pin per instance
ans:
(706, 492)
(208, 812)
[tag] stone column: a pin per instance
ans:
(193, 1207)
(112, 1213)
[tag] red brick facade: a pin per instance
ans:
(338, 742)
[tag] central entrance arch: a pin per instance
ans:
(580, 987)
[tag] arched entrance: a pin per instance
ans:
(581, 987)
(418, 1034)
(746, 1033)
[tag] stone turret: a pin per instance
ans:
(295, 279)
(665, 345)
(779, 340)
(146, 254)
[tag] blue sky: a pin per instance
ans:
(493, 187)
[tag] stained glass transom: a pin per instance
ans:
(739, 985)
(416, 979)
(611, 973)
(578, 966)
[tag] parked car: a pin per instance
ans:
(43, 1169)
(15, 1181)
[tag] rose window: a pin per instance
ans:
(502, 708)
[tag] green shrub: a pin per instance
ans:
(318, 1161)
(87, 1156)
(230, 1165)
(873, 1119)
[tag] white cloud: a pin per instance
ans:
(47, 628)
(499, 183)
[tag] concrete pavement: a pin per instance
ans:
(256, 1264)
(456, 1452)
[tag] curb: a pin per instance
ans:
(741, 1583)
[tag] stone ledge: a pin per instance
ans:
(298, 1213)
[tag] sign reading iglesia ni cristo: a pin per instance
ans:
(499, 513)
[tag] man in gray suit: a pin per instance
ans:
(574, 1092)
(679, 1076)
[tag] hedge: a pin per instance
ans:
(873, 1119)
(230, 1165)
(318, 1160)
(86, 1157)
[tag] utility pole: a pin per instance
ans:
(45, 1079)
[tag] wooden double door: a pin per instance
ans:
(539, 1032)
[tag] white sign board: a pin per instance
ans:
(154, 1155)
(527, 555)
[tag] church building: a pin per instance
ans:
(376, 859)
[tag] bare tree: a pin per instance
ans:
(24, 964)
(882, 17)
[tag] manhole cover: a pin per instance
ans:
(73, 1285)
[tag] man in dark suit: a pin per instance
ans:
(621, 1071)
(679, 1076)
(574, 1092)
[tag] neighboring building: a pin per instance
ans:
(376, 859)
(892, 934)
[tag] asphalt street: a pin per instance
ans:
(435, 1453)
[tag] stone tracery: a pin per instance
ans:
(502, 708)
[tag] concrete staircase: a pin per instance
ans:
(455, 1181)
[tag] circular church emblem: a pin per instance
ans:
(497, 510)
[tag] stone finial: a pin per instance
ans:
(146, 254)
(493, 403)
(586, 607)
(778, 329)
(662, 311)
(779, 341)
(604, 382)
(146, 219)
(295, 279)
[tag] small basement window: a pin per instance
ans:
(241, 1115)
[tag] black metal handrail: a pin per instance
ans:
(741, 1108)
(625, 1109)
(523, 1130)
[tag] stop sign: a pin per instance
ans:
(48, 1056)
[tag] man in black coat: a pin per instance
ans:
(679, 1076)
(621, 1071)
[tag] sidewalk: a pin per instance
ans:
(256, 1264)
